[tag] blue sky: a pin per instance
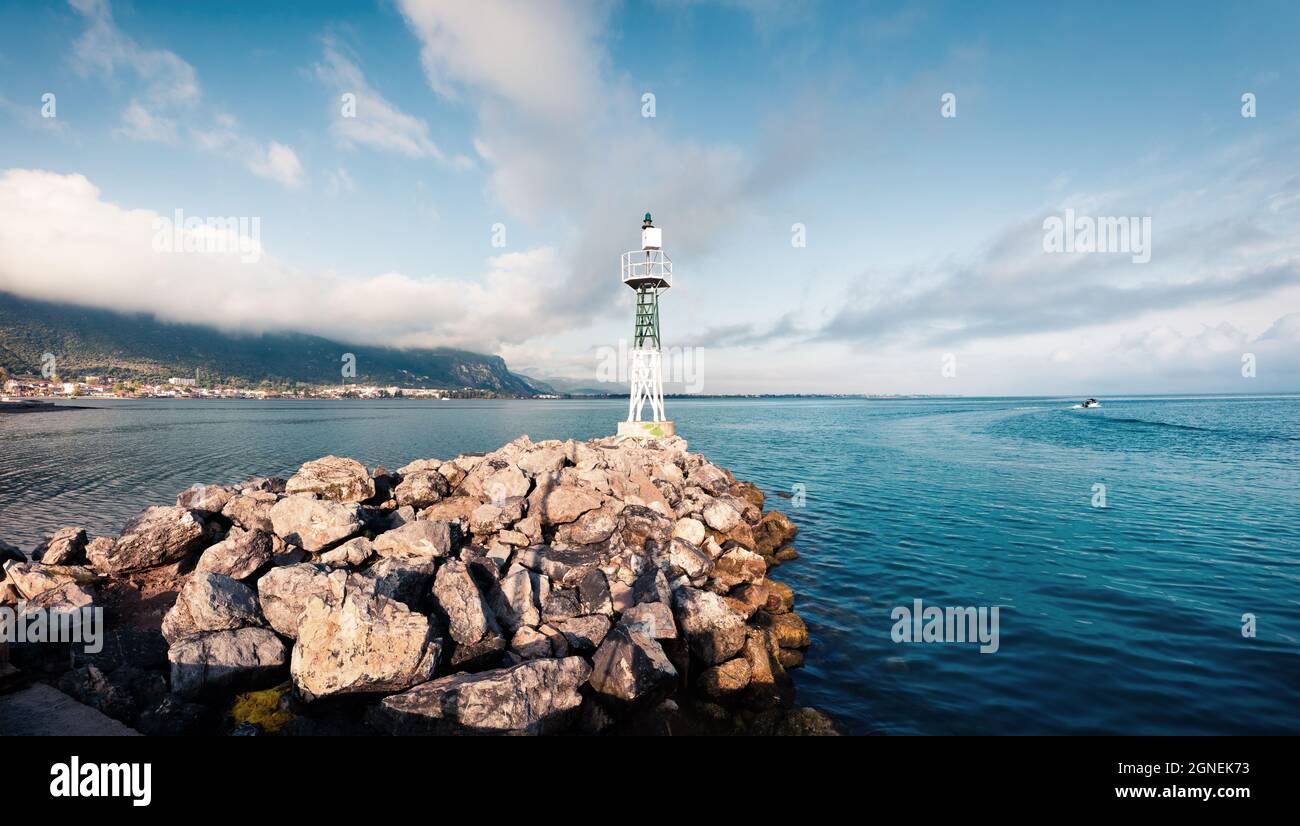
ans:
(924, 233)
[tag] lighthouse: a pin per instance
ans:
(649, 272)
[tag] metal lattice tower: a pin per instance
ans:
(649, 272)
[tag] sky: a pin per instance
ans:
(856, 196)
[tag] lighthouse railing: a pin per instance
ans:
(647, 264)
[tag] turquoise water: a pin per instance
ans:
(1123, 619)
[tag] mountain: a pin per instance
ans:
(138, 347)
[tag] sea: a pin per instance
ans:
(1143, 557)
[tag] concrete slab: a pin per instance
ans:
(40, 710)
(646, 430)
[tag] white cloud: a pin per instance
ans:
(60, 241)
(278, 163)
(376, 123)
(139, 124)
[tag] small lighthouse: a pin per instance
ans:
(648, 271)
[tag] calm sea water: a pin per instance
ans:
(1123, 619)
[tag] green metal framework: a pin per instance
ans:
(647, 317)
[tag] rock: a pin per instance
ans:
(584, 634)
(592, 527)
(685, 558)
(451, 509)
(654, 619)
(725, 680)
(505, 484)
(206, 499)
(262, 484)
(210, 602)
(738, 566)
(283, 594)
(709, 477)
(366, 643)
(10, 552)
(714, 631)
(788, 629)
(557, 504)
(405, 580)
(543, 461)
(121, 694)
(251, 511)
(419, 540)
(68, 598)
(173, 717)
(720, 516)
(535, 697)
(593, 594)
(691, 530)
(787, 554)
(352, 553)
(33, 579)
(66, 547)
(640, 525)
(780, 597)
(807, 722)
(459, 599)
(775, 531)
(560, 605)
(333, 478)
(240, 555)
(630, 666)
(652, 586)
(748, 492)
(789, 657)
(421, 488)
(226, 661)
(315, 524)
(530, 644)
(518, 603)
(748, 598)
(157, 536)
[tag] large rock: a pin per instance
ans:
(66, 547)
(405, 580)
(688, 559)
(239, 555)
(726, 680)
(451, 509)
(365, 644)
(534, 697)
(315, 524)
(226, 661)
(692, 530)
(788, 630)
(775, 531)
(210, 602)
(721, 516)
(157, 536)
(334, 478)
(460, 600)
(630, 666)
(557, 504)
(421, 488)
(206, 499)
(351, 553)
(517, 605)
(420, 540)
(654, 619)
(714, 631)
(284, 593)
(252, 511)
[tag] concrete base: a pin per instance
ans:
(646, 430)
(41, 710)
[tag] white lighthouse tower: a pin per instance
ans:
(648, 271)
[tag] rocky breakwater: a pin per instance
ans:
(597, 587)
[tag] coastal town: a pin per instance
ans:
(104, 387)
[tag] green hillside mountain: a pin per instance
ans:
(137, 347)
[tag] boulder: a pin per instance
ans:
(352, 553)
(421, 488)
(66, 547)
(157, 536)
(685, 558)
(365, 643)
(419, 540)
(530, 644)
(459, 599)
(451, 509)
(333, 478)
(208, 500)
(541, 461)
(252, 511)
(738, 566)
(774, 532)
(721, 516)
(558, 504)
(405, 580)
(726, 679)
(240, 555)
(584, 634)
(691, 530)
(283, 594)
(315, 524)
(535, 697)
(226, 661)
(517, 605)
(210, 602)
(630, 666)
(714, 631)
(654, 619)
(788, 629)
